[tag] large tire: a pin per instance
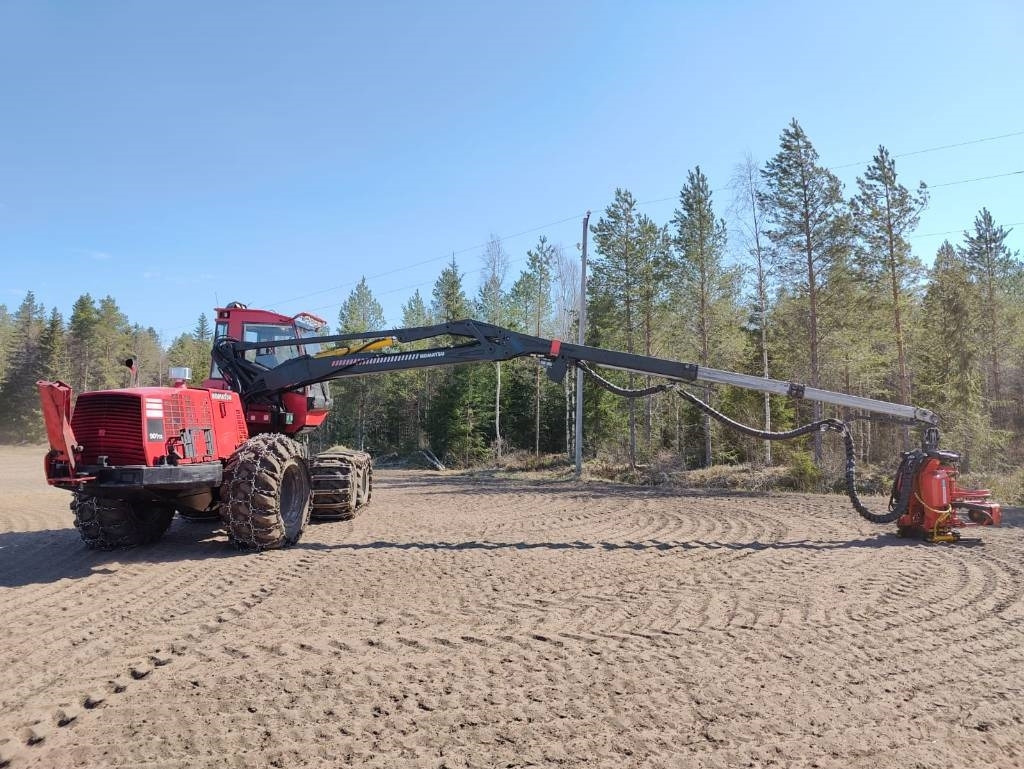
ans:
(265, 496)
(342, 483)
(108, 524)
(365, 491)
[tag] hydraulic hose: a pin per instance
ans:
(837, 425)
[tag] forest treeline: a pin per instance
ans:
(785, 275)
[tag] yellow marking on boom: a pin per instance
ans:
(376, 344)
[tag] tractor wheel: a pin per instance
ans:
(342, 483)
(265, 494)
(107, 524)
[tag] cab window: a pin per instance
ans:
(269, 332)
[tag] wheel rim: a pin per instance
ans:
(294, 496)
(364, 487)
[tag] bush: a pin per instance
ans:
(1007, 488)
(520, 459)
(869, 479)
(803, 474)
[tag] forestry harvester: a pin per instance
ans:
(133, 456)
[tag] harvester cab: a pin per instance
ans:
(272, 340)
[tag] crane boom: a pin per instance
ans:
(487, 342)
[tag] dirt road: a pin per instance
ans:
(491, 623)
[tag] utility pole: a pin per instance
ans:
(579, 338)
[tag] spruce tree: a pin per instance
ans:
(949, 370)
(450, 302)
(187, 351)
(990, 263)
(360, 311)
(415, 312)
(112, 339)
(55, 365)
(357, 403)
(150, 358)
(410, 391)
(82, 343)
(6, 335)
(454, 420)
(20, 413)
(706, 290)
(202, 330)
(619, 282)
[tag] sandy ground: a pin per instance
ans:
(494, 623)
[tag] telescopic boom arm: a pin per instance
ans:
(486, 342)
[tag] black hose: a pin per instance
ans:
(903, 483)
(836, 425)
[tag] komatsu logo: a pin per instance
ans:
(379, 360)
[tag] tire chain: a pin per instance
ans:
(342, 481)
(109, 524)
(249, 505)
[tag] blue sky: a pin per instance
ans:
(182, 154)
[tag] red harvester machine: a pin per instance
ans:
(133, 456)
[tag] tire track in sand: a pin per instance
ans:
(497, 624)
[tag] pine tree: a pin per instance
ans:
(808, 225)
(884, 213)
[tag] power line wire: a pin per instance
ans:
(978, 179)
(652, 202)
(955, 232)
(426, 261)
(936, 149)
(645, 203)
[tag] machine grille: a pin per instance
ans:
(110, 424)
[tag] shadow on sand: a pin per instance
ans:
(50, 555)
